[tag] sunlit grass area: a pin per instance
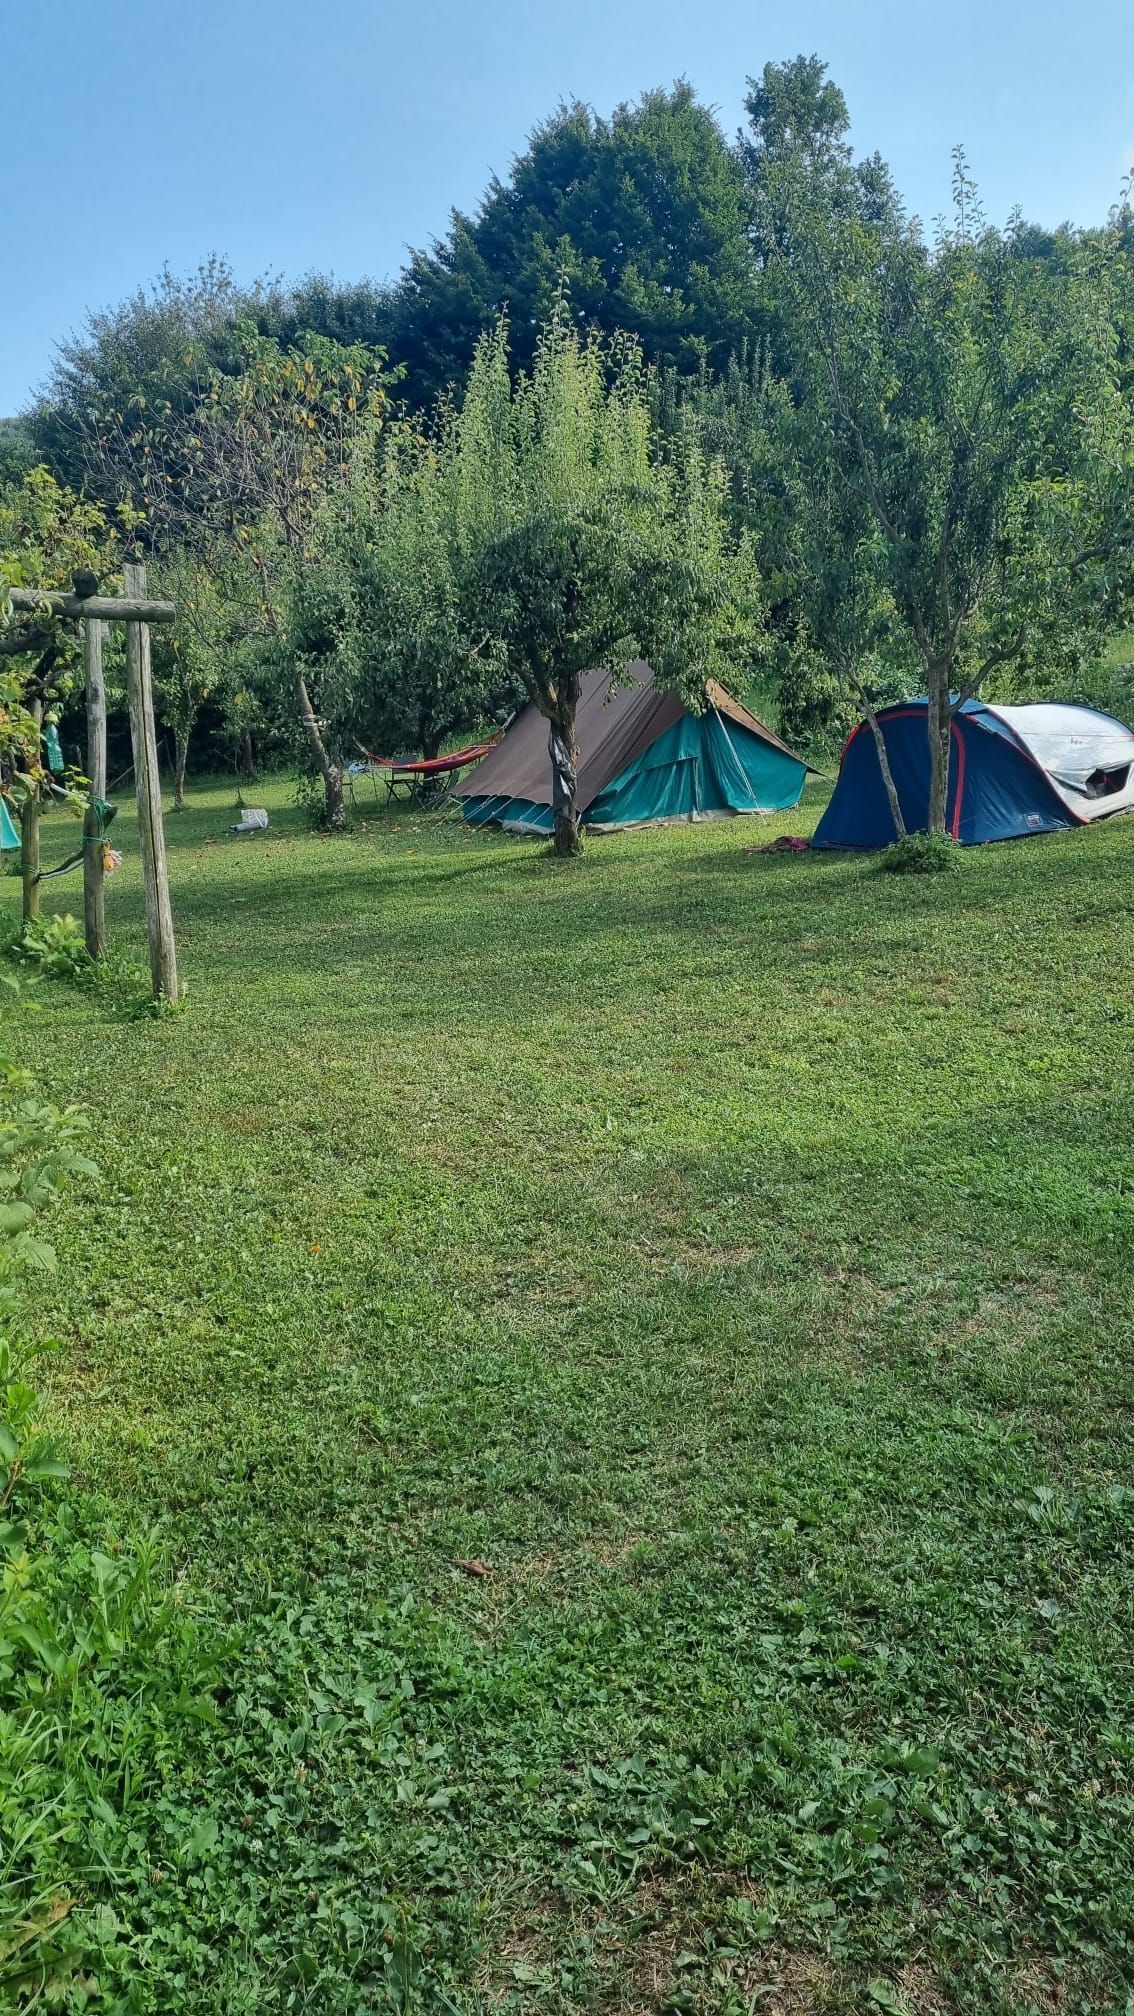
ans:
(633, 1358)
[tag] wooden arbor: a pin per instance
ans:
(137, 612)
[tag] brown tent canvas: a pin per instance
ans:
(700, 769)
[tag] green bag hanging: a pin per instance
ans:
(55, 762)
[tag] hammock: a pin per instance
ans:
(415, 773)
(433, 766)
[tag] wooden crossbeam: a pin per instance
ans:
(111, 608)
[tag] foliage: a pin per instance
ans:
(645, 212)
(1109, 684)
(161, 344)
(17, 453)
(199, 656)
(417, 631)
(794, 109)
(959, 433)
(596, 547)
(919, 854)
(127, 357)
(39, 1148)
(19, 732)
(49, 538)
(47, 534)
(764, 1334)
(95, 1660)
(260, 445)
(55, 947)
(248, 476)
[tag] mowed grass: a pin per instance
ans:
(728, 1255)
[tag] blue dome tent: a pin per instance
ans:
(642, 757)
(1014, 771)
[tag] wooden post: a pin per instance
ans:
(94, 895)
(151, 831)
(29, 833)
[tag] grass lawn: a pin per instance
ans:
(729, 1254)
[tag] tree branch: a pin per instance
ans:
(14, 642)
(1003, 655)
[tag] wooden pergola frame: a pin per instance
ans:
(137, 611)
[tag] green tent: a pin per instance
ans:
(642, 757)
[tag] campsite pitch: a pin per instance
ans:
(633, 1359)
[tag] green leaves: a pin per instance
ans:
(540, 530)
(953, 517)
(609, 544)
(883, 1996)
(96, 1666)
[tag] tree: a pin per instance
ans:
(17, 453)
(150, 347)
(605, 549)
(48, 537)
(645, 212)
(962, 416)
(160, 345)
(795, 111)
(249, 474)
(842, 602)
(191, 659)
(426, 671)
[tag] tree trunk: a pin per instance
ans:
(29, 855)
(334, 805)
(940, 726)
(181, 759)
(563, 748)
(334, 808)
(883, 759)
(247, 763)
(29, 836)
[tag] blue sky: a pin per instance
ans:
(331, 134)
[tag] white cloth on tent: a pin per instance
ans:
(1088, 756)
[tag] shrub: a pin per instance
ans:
(919, 854)
(55, 946)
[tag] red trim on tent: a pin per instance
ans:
(1015, 740)
(883, 714)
